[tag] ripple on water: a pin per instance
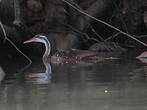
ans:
(106, 86)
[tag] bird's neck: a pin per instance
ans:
(47, 49)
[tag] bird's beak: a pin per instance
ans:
(29, 41)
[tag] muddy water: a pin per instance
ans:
(111, 85)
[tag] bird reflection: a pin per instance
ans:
(139, 74)
(143, 60)
(41, 78)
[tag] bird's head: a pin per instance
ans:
(42, 39)
(37, 38)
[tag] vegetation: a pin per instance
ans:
(74, 23)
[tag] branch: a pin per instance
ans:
(6, 38)
(17, 20)
(113, 36)
(86, 14)
(97, 8)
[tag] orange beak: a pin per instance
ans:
(29, 41)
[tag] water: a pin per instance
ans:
(109, 85)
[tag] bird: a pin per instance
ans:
(142, 55)
(63, 56)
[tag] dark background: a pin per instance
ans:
(67, 28)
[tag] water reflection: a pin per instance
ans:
(109, 85)
(40, 77)
(140, 74)
(143, 60)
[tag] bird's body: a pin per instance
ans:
(70, 56)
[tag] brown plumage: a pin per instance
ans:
(70, 56)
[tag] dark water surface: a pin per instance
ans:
(109, 85)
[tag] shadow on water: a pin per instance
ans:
(110, 85)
